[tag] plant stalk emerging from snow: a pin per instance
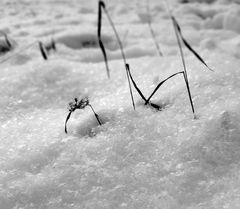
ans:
(160, 84)
(152, 31)
(80, 105)
(18, 52)
(178, 33)
(51, 46)
(147, 101)
(101, 4)
(7, 41)
(45, 49)
(5, 47)
(184, 65)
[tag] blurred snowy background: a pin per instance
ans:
(144, 159)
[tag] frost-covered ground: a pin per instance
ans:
(136, 159)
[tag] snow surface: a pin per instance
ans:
(136, 159)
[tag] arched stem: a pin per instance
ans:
(96, 115)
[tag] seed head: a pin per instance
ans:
(78, 104)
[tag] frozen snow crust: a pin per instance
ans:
(136, 159)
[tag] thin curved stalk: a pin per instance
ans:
(184, 65)
(68, 117)
(41, 47)
(7, 41)
(139, 91)
(100, 6)
(187, 44)
(152, 31)
(160, 84)
(95, 114)
(121, 48)
(17, 53)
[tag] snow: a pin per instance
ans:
(136, 159)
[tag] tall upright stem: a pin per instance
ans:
(123, 54)
(184, 65)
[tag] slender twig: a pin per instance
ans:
(134, 83)
(43, 50)
(96, 115)
(51, 45)
(177, 26)
(19, 52)
(68, 117)
(81, 104)
(184, 65)
(147, 101)
(7, 41)
(160, 84)
(152, 31)
(121, 48)
(100, 6)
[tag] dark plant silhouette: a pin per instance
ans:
(43, 50)
(7, 46)
(51, 46)
(18, 52)
(101, 5)
(46, 49)
(147, 100)
(177, 26)
(152, 31)
(179, 36)
(81, 104)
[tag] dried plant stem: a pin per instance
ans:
(154, 38)
(68, 117)
(100, 6)
(160, 84)
(177, 27)
(122, 52)
(116, 34)
(42, 49)
(19, 52)
(152, 31)
(139, 91)
(134, 84)
(95, 114)
(80, 104)
(7, 41)
(184, 65)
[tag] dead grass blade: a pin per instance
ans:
(134, 83)
(187, 44)
(80, 104)
(121, 48)
(7, 41)
(68, 117)
(152, 31)
(51, 46)
(95, 114)
(100, 6)
(139, 91)
(176, 29)
(160, 84)
(17, 53)
(42, 49)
